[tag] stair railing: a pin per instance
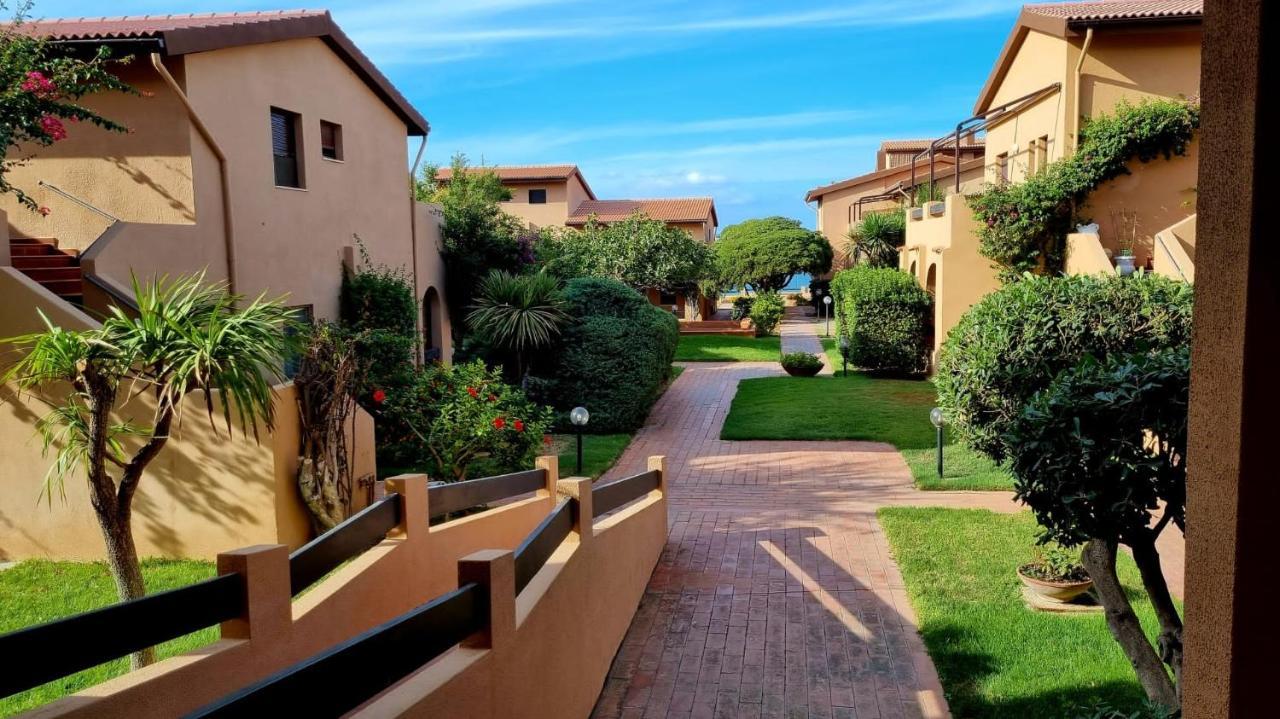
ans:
(86, 205)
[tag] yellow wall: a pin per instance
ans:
(1041, 60)
(430, 281)
(561, 202)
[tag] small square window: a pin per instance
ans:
(537, 197)
(330, 140)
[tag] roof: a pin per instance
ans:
(919, 145)
(886, 177)
(1065, 19)
(517, 174)
(682, 209)
(186, 34)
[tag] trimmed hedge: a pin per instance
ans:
(885, 315)
(612, 358)
(1016, 340)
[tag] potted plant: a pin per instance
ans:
(1055, 574)
(1125, 224)
(801, 364)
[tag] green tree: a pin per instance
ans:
(40, 87)
(187, 337)
(765, 254)
(640, 252)
(476, 236)
(518, 313)
(875, 240)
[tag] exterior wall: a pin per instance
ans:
(1175, 251)
(292, 240)
(560, 203)
(433, 317)
(702, 231)
(947, 244)
(1041, 60)
(1085, 255)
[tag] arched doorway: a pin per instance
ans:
(913, 271)
(432, 341)
(930, 328)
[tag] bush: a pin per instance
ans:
(884, 314)
(875, 240)
(462, 422)
(801, 364)
(612, 358)
(641, 252)
(766, 312)
(741, 307)
(1013, 342)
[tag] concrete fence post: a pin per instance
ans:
(658, 463)
(551, 463)
(579, 488)
(415, 510)
(495, 571)
(268, 613)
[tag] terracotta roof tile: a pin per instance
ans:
(683, 209)
(918, 145)
(191, 33)
(1119, 10)
(518, 173)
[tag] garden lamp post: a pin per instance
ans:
(939, 421)
(844, 353)
(579, 416)
(826, 302)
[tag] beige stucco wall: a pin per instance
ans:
(702, 231)
(1040, 61)
(561, 201)
(1175, 252)
(947, 244)
(433, 318)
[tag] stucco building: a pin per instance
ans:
(1063, 63)
(264, 148)
(555, 195)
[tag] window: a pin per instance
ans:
(537, 197)
(1002, 167)
(305, 316)
(330, 140)
(284, 148)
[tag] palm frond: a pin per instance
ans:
(518, 312)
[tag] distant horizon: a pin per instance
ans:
(746, 102)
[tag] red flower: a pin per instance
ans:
(519, 425)
(37, 83)
(472, 391)
(493, 398)
(44, 211)
(379, 396)
(499, 423)
(53, 127)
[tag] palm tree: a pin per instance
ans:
(517, 313)
(187, 336)
(876, 238)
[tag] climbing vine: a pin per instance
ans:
(1023, 227)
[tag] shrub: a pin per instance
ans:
(1023, 226)
(612, 358)
(1013, 342)
(884, 314)
(765, 254)
(766, 312)
(741, 307)
(1055, 563)
(641, 252)
(379, 314)
(462, 422)
(518, 314)
(875, 240)
(801, 364)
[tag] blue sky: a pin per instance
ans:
(749, 102)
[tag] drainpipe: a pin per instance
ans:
(1075, 121)
(413, 239)
(223, 174)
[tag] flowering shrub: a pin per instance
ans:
(462, 422)
(39, 94)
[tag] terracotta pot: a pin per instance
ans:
(1055, 591)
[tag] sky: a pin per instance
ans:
(749, 102)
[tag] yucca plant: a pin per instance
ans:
(876, 238)
(518, 313)
(187, 336)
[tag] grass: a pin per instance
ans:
(859, 407)
(37, 591)
(728, 348)
(996, 658)
(599, 453)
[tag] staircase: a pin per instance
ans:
(41, 260)
(714, 327)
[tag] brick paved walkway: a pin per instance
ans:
(776, 594)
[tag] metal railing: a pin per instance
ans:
(86, 205)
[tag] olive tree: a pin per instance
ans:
(187, 337)
(764, 254)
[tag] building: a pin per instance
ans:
(895, 153)
(556, 195)
(264, 149)
(1063, 63)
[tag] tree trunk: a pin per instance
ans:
(1099, 557)
(122, 557)
(1169, 642)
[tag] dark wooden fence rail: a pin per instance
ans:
(542, 541)
(607, 497)
(45, 652)
(448, 498)
(353, 537)
(342, 678)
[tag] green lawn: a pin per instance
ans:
(859, 407)
(599, 453)
(37, 591)
(728, 348)
(996, 658)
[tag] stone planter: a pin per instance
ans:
(1059, 592)
(1125, 265)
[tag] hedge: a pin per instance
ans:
(884, 314)
(612, 358)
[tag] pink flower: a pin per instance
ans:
(53, 127)
(379, 396)
(44, 211)
(499, 423)
(37, 83)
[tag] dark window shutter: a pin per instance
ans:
(284, 146)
